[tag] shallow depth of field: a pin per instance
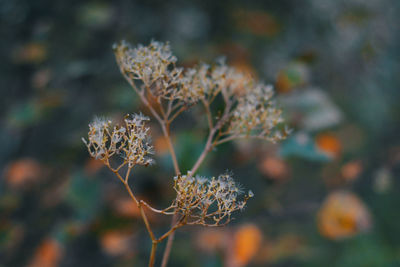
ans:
(328, 195)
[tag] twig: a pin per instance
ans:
(153, 253)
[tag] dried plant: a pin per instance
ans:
(167, 90)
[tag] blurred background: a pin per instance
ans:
(326, 196)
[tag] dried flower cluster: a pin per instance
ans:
(154, 65)
(256, 115)
(131, 142)
(209, 202)
(248, 111)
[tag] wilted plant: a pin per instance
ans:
(167, 90)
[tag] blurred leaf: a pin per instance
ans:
(294, 75)
(383, 180)
(343, 215)
(283, 247)
(24, 114)
(247, 242)
(95, 14)
(127, 208)
(302, 145)
(116, 242)
(93, 166)
(30, 53)
(312, 108)
(84, 196)
(352, 170)
(48, 254)
(211, 240)
(329, 144)
(274, 168)
(23, 172)
(257, 22)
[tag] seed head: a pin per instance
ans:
(208, 201)
(131, 141)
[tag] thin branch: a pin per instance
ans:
(207, 148)
(153, 253)
(173, 229)
(146, 222)
(165, 130)
(182, 109)
(141, 95)
(170, 241)
(233, 137)
(169, 107)
(162, 122)
(208, 113)
(157, 210)
(226, 139)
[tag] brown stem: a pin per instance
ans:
(208, 113)
(164, 127)
(157, 210)
(146, 222)
(209, 144)
(172, 230)
(165, 130)
(182, 109)
(153, 253)
(170, 241)
(207, 148)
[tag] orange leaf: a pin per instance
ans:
(127, 208)
(329, 144)
(92, 166)
(211, 240)
(22, 172)
(343, 215)
(47, 254)
(352, 170)
(115, 242)
(274, 168)
(247, 241)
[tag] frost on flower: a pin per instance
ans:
(257, 115)
(131, 141)
(208, 201)
(252, 112)
(249, 111)
(154, 65)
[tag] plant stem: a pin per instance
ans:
(170, 241)
(203, 154)
(146, 222)
(165, 129)
(153, 253)
(171, 231)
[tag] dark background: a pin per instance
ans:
(335, 67)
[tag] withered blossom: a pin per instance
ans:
(131, 142)
(245, 109)
(154, 65)
(250, 110)
(206, 201)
